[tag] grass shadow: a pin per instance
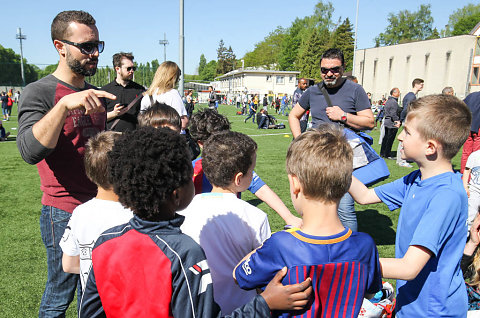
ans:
(255, 202)
(378, 225)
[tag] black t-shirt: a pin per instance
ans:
(125, 95)
(349, 96)
(473, 103)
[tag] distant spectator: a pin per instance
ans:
(3, 133)
(162, 90)
(448, 91)
(352, 78)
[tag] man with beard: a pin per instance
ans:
(57, 115)
(350, 108)
(126, 91)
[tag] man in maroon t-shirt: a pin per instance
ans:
(57, 115)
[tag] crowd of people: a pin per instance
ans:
(148, 229)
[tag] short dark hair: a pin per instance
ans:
(225, 154)
(322, 160)
(146, 166)
(59, 29)
(96, 158)
(206, 122)
(331, 54)
(117, 58)
(417, 81)
(160, 115)
(393, 90)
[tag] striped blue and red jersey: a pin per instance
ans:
(343, 268)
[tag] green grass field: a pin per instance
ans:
(23, 268)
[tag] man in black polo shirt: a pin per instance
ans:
(126, 91)
(350, 108)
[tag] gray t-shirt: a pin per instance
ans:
(349, 96)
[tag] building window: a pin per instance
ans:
(427, 56)
(477, 47)
(375, 67)
(269, 78)
(290, 79)
(280, 79)
(475, 75)
(390, 63)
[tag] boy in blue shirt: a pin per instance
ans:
(342, 264)
(432, 229)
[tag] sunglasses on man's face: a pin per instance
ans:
(334, 70)
(130, 68)
(88, 48)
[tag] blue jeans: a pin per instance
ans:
(346, 212)
(60, 287)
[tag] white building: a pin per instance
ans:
(261, 82)
(451, 61)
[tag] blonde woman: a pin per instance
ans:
(162, 90)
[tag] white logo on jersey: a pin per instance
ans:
(246, 267)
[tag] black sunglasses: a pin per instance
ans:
(88, 47)
(334, 70)
(134, 68)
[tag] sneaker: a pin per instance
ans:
(405, 164)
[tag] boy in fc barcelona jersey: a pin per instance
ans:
(342, 264)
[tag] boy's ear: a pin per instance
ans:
(238, 178)
(294, 184)
(433, 147)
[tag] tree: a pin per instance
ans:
(407, 26)
(301, 29)
(309, 59)
(225, 59)
(209, 72)
(267, 52)
(342, 38)
(459, 14)
(10, 69)
(202, 64)
(466, 24)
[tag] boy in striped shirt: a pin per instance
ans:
(343, 265)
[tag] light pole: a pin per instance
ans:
(21, 37)
(164, 42)
(181, 57)
(355, 43)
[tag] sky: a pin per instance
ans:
(137, 26)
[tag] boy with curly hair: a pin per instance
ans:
(148, 267)
(93, 217)
(343, 264)
(225, 226)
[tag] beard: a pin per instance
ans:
(80, 68)
(126, 76)
(332, 81)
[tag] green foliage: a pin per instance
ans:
(209, 72)
(406, 26)
(267, 52)
(10, 69)
(342, 38)
(459, 14)
(283, 48)
(225, 59)
(202, 64)
(49, 69)
(291, 44)
(466, 24)
(309, 59)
